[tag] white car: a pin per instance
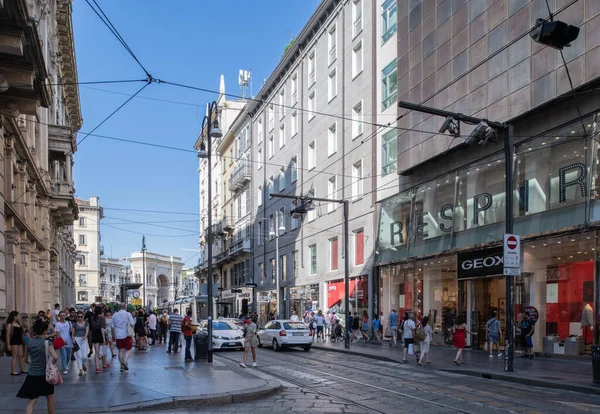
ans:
(226, 335)
(282, 333)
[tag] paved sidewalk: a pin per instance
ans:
(155, 380)
(568, 374)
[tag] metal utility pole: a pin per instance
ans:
(277, 298)
(144, 270)
(302, 210)
(481, 134)
(212, 131)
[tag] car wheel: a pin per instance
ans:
(259, 343)
(276, 346)
(306, 348)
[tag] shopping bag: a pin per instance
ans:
(387, 333)
(411, 349)
(52, 374)
(486, 346)
(58, 343)
(130, 331)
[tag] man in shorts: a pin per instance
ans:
(120, 320)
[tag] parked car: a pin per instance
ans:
(226, 334)
(235, 321)
(283, 333)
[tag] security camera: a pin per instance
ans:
(481, 133)
(451, 125)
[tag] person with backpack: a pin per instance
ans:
(493, 334)
(423, 335)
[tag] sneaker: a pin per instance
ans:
(491, 356)
(499, 353)
(254, 364)
(65, 372)
(168, 352)
(242, 365)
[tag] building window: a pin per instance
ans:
(313, 259)
(333, 254)
(294, 222)
(82, 260)
(389, 85)
(260, 161)
(281, 103)
(331, 193)
(295, 262)
(389, 152)
(332, 140)
(271, 118)
(357, 120)
(271, 147)
(388, 20)
(261, 272)
(82, 296)
(259, 195)
(357, 176)
(356, 17)
(359, 247)
(332, 85)
(82, 279)
(259, 131)
(357, 60)
(281, 135)
(271, 227)
(294, 123)
(82, 240)
(311, 68)
(312, 156)
(311, 105)
(81, 221)
(271, 188)
(259, 233)
(272, 264)
(281, 179)
(283, 267)
(312, 213)
(294, 87)
(294, 169)
(332, 42)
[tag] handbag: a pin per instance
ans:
(58, 343)
(130, 331)
(76, 347)
(52, 374)
(387, 333)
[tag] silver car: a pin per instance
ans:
(283, 333)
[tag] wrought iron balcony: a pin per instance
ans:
(228, 224)
(240, 247)
(241, 175)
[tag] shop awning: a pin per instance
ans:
(335, 291)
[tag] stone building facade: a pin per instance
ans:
(163, 281)
(39, 118)
(89, 250)
(113, 273)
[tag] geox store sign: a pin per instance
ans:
(480, 263)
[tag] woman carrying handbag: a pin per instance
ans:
(36, 384)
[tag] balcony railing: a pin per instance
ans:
(217, 228)
(239, 247)
(241, 175)
(228, 224)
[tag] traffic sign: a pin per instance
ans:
(512, 255)
(136, 302)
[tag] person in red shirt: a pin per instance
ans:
(186, 328)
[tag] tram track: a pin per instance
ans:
(319, 390)
(363, 366)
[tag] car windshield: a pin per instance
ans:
(223, 326)
(294, 325)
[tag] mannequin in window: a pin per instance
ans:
(587, 323)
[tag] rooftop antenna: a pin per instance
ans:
(244, 78)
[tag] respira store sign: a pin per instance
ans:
(481, 263)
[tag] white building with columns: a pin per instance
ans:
(87, 239)
(163, 277)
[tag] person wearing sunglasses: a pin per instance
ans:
(81, 330)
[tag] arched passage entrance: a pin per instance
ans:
(163, 288)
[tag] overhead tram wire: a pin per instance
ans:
(104, 18)
(70, 152)
(148, 234)
(503, 48)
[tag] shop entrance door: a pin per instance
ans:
(487, 295)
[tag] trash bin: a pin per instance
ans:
(574, 346)
(549, 342)
(201, 345)
(596, 365)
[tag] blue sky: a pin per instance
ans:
(189, 42)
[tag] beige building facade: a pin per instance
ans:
(39, 118)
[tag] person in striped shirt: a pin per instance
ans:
(175, 321)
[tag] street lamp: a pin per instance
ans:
(205, 151)
(272, 233)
